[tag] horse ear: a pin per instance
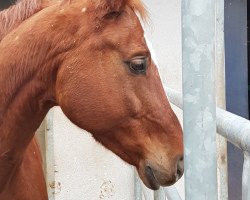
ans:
(110, 8)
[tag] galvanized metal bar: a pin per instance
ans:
(174, 96)
(234, 128)
(147, 193)
(246, 177)
(198, 43)
(40, 138)
(172, 193)
(160, 194)
(50, 155)
(222, 172)
(138, 191)
(220, 55)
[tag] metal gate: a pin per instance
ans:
(203, 53)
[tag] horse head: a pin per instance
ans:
(109, 85)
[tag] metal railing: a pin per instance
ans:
(234, 128)
(202, 56)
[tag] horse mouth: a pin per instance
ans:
(152, 182)
(154, 178)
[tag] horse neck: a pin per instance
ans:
(29, 63)
(26, 95)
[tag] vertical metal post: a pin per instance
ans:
(198, 32)
(50, 156)
(40, 138)
(246, 177)
(172, 193)
(221, 99)
(160, 194)
(147, 193)
(138, 191)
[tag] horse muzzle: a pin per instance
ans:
(154, 175)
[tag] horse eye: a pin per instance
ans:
(138, 65)
(112, 15)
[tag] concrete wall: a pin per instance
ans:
(77, 167)
(164, 32)
(82, 168)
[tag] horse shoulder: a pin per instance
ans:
(28, 182)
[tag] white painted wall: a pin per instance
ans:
(164, 32)
(83, 168)
(80, 169)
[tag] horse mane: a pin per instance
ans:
(13, 16)
(10, 18)
(139, 7)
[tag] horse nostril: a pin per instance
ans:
(180, 166)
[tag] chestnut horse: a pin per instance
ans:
(90, 58)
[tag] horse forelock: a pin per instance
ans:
(139, 7)
(13, 16)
